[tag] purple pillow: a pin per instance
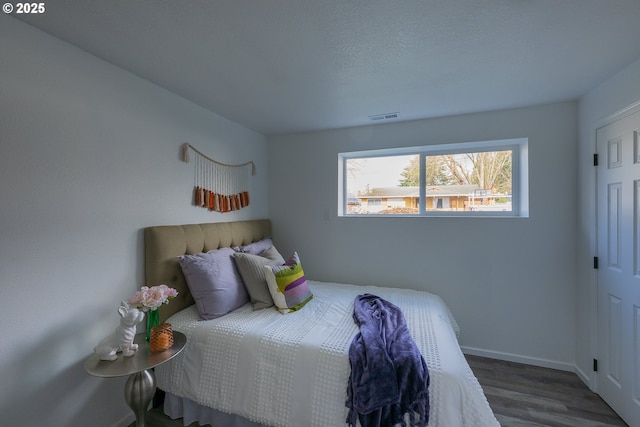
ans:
(214, 282)
(255, 248)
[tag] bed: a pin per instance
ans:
(251, 368)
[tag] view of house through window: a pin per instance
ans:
(469, 181)
(459, 182)
(375, 185)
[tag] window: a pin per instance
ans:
(470, 179)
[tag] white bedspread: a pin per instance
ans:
(291, 370)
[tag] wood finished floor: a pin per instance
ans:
(520, 396)
(523, 395)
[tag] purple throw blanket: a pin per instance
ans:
(389, 376)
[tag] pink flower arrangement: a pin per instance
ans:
(150, 298)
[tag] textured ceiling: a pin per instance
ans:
(282, 66)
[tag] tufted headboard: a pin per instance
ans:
(164, 243)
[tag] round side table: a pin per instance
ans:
(141, 385)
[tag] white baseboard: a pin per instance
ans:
(585, 378)
(545, 363)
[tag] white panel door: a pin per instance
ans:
(618, 213)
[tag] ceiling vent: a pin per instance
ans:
(385, 116)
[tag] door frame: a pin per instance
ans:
(591, 379)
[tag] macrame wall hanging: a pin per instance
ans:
(218, 186)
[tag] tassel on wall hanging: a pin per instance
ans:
(218, 186)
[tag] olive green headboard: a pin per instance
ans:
(164, 243)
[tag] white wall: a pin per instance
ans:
(90, 154)
(509, 282)
(613, 95)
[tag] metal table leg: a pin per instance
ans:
(138, 392)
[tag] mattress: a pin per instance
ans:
(291, 370)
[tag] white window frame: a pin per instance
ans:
(520, 176)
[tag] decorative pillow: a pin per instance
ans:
(214, 282)
(255, 248)
(287, 285)
(251, 269)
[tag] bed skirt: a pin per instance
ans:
(177, 407)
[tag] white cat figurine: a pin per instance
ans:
(122, 338)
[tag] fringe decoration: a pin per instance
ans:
(197, 196)
(219, 187)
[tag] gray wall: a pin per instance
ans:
(510, 282)
(90, 154)
(616, 93)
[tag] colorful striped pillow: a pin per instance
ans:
(287, 285)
